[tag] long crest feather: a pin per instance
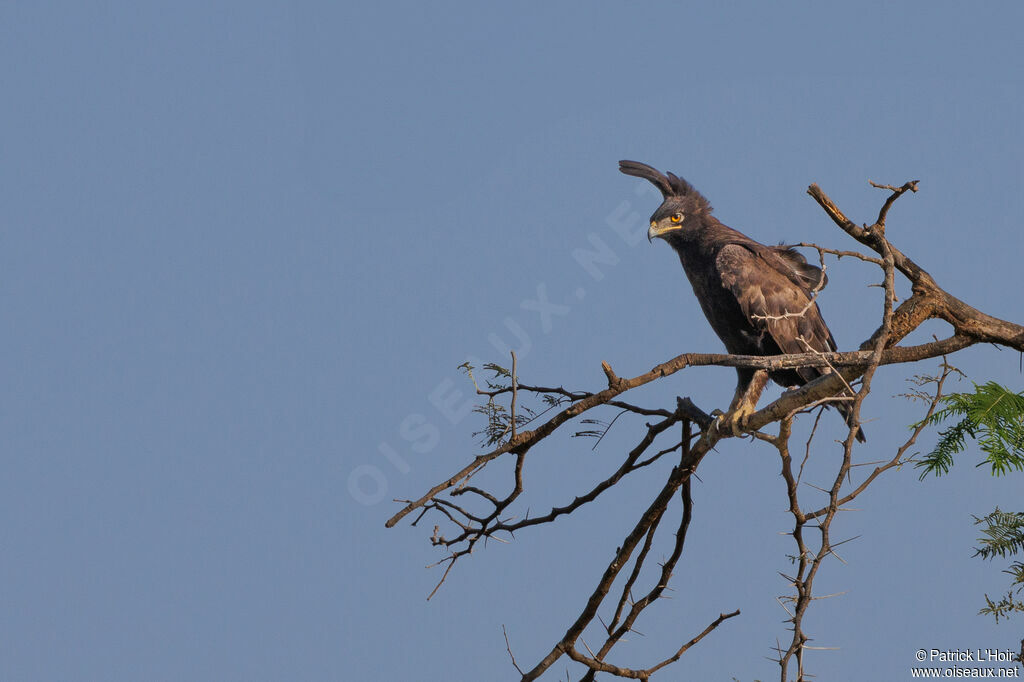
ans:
(642, 170)
(670, 184)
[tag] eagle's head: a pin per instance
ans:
(682, 208)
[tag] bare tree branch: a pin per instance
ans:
(472, 513)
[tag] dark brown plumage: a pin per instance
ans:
(758, 299)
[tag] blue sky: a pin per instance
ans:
(246, 245)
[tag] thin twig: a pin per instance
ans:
(515, 395)
(508, 648)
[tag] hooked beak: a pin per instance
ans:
(655, 231)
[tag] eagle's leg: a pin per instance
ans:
(749, 386)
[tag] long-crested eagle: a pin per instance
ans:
(759, 299)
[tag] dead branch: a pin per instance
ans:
(934, 301)
(793, 400)
(460, 503)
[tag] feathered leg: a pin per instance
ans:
(749, 385)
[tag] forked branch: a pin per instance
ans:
(473, 513)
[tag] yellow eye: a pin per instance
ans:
(677, 218)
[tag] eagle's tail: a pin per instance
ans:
(847, 413)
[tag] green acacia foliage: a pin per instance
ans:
(993, 416)
(1003, 535)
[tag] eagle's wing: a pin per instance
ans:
(773, 303)
(803, 273)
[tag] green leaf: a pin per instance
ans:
(993, 416)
